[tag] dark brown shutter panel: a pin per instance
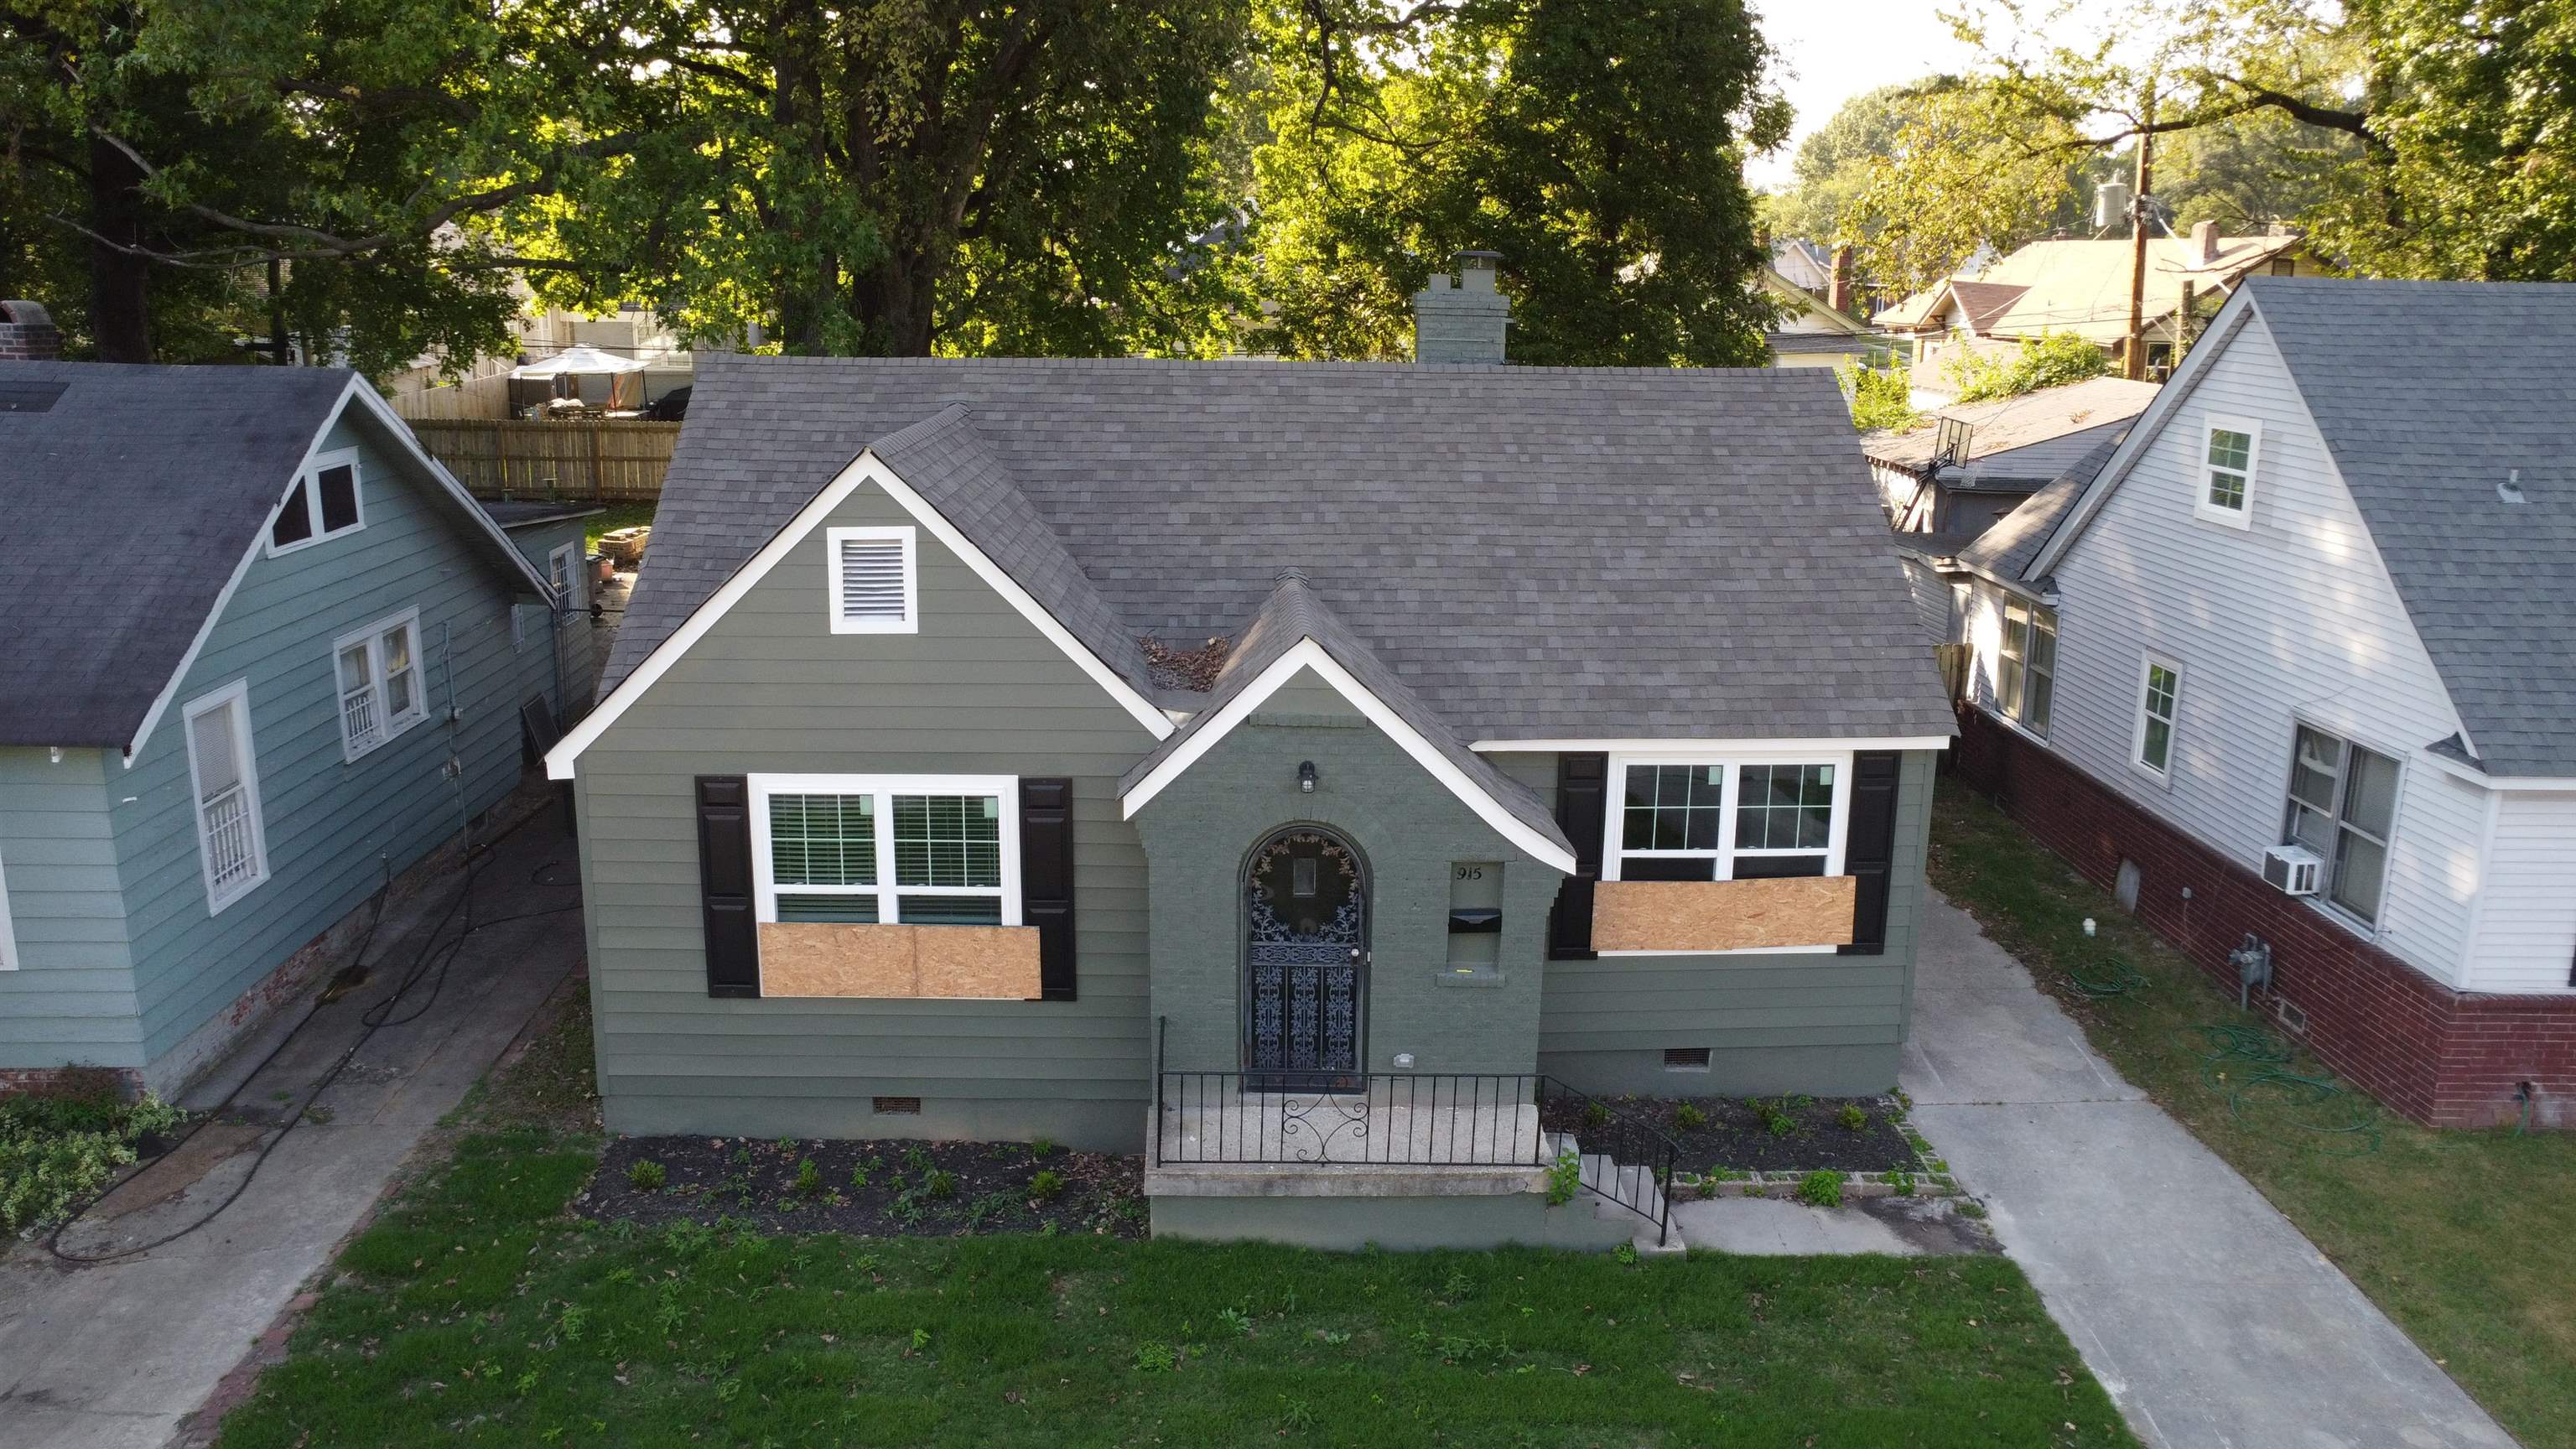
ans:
(1869, 847)
(1046, 880)
(724, 885)
(1580, 781)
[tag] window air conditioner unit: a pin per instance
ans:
(2292, 869)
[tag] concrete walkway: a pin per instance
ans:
(116, 1355)
(2211, 1320)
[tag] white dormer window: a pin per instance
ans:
(324, 503)
(378, 675)
(875, 588)
(2223, 466)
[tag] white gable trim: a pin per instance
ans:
(865, 468)
(1307, 654)
(404, 443)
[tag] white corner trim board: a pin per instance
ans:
(865, 468)
(1307, 654)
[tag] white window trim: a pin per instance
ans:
(2198, 438)
(235, 697)
(2322, 902)
(572, 591)
(2147, 665)
(371, 636)
(1617, 792)
(905, 533)
(1004, 788)
(2004, 600)
(8, 934)
(309, 478)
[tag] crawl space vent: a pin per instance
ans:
(896, 1106)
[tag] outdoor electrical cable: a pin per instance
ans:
(433, 955)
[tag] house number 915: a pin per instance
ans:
(1468, 872)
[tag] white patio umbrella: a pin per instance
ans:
(625, 383)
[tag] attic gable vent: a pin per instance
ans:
(874, 587)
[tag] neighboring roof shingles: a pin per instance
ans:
(2036, 436)
(2007, 548)
(1293, 613)
(2429, 395)
(1786, 343)
(1536, 552)
(1983, 302)
(125, 507)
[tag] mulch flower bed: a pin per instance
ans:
(1765, 1134)
(869, 1189)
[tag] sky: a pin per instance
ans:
(1836, 49)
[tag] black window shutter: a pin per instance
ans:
(1046, 880)
(1580, 781)
(724, 885)
(1869, 847)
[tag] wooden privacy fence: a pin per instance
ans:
(609, 460)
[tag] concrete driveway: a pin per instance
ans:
(2210, 1319)
(115, 1356)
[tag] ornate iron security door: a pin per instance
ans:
(1305, 904)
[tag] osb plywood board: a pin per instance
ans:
(947, 962)
(1723, 915)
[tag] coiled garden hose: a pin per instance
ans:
(2241, 1060)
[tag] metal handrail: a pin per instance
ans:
(1390, 1119)
(1634, 1142)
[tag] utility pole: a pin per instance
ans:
(2133, 355)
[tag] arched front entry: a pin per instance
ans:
(1305, 958)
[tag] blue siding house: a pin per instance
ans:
(259, 657)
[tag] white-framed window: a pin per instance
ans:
(8, 935)
(2343, 806)
(2226, 452)
(2159, 701)
(924, 850)
(2026, 671)
(1752, 816)
(376, 671)
(874, 584)
(223, 775)
(563, 570)
(328, 500)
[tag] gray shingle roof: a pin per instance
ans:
(1785, 343)
(1535, 552)
(124, 508)
(2006, 549)
(951, 468)
(2030, 439)
(1292, 614)
(2429, 395)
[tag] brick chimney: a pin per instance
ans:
(2204, 243)
(27, 334)
(1839, 295)
(1461, 321)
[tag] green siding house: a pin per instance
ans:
(257, 659)
(1320, 779)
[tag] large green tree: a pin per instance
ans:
(1832, 166)
(1597, 145)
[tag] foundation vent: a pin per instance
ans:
(1685, 1059)
(896, 1106)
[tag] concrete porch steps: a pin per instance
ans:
(1612, 1185)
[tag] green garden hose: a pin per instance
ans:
(2108, 975)
(2242, 1060)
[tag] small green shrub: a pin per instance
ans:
(1564, 1178)
(1688, 1117)
(917, 1158)
(859, 1176)
(60, 1147)
(1625, 1252)
(941, 1182)
(1901, 1183)
(1821, 1188)
(1040, 1147)
(647, 1176)
(1047, 1186)
(809, 1178)
(1595, 1115)
(1852, 1117)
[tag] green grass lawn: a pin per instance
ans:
(483, 1310)
(2460, 1236)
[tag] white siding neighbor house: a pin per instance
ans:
(2298, 658)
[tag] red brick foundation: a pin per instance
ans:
(2443, 1057)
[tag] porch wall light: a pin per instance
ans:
(1305, 777)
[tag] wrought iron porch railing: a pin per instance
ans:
(1394, 1119)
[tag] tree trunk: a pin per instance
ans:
(796, 106)
(119, 280)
